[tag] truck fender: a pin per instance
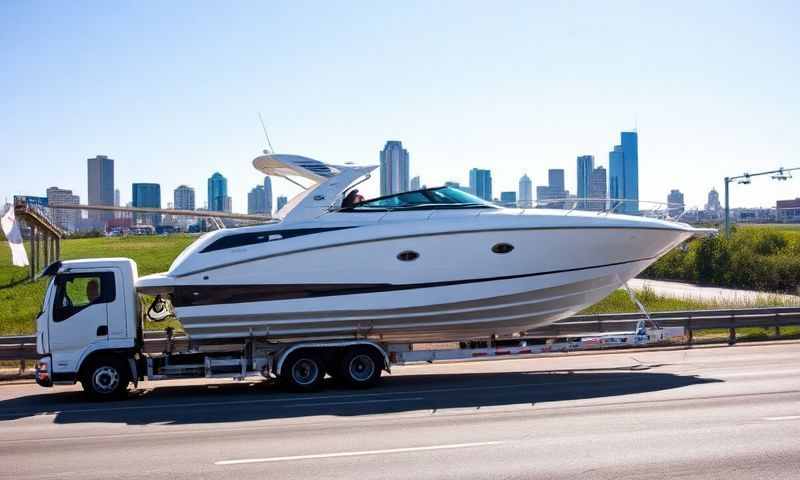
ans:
(122, 353)
(283, 354)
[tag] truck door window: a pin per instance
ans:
(76, 291)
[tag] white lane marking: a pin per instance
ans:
(357, 454)
(778, 419)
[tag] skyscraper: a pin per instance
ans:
(598, 188)
(227, 205)
(675, 203)
(394, 168)
(183, 198)
(267, 195)
(713, 204)
(623, 164)
(66, 219)
(100, 188)
(585, 170)
(554, 188)
(508, 199)
(414, 183)
(281, 202)
(525, 197)
(147, 195)
(256, 201)
(480, 183)
(217, 192)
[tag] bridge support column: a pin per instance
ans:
(33, 251)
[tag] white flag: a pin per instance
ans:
(11, 229)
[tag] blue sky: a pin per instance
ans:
(171, 90)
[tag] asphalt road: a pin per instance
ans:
(724, 412)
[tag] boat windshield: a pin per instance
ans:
(427, 199)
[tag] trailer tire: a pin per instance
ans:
(106, 377)
(303, 371)
(360, 366)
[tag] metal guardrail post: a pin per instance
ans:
(689, 328)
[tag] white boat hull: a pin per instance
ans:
(457, 288)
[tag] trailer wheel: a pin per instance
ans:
(361, 367)
(303, 371)
(106, 378)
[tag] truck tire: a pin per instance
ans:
(106, 377)
(360, 367)
(303, 371)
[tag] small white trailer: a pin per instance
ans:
(90, 330)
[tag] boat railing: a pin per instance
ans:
(606, 206)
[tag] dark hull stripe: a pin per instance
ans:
(419, 235)
(193, 295)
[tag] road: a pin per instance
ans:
(721, 412)
(689, 291)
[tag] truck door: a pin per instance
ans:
(79, 315)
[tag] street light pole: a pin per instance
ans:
(779, 174)
(727, 207)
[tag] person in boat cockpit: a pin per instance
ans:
(352, 199)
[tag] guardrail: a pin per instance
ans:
(21, 348)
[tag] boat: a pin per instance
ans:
(436, 264)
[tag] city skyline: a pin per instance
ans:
(528, 112)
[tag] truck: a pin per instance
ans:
(91, 329)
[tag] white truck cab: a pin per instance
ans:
(90, 312)
(90, 330)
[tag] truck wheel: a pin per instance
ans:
(106, 378)
(303, 371)
(361, 367)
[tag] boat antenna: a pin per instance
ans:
(266, 135)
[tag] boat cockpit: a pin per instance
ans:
(438, 198)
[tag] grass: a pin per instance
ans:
(20, 301)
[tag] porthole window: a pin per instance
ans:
(407, 256)
(502, 248)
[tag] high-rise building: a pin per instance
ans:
(100, 188)
(508, 199)
(394, 168)
(598, 188)
(227, 206)
(555, 187)
(480, 183)
(256, 201)
(414, 183)
(116, 197)
(585, 170)
(67, 220)
(147, 195)
(675, 204)
(555, 177)
(623, 180)
(281, 202)
(217, 192)
(183, 198)
(525, 197)
(267, 195)
(713, 204)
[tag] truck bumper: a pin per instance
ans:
(43, 372)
